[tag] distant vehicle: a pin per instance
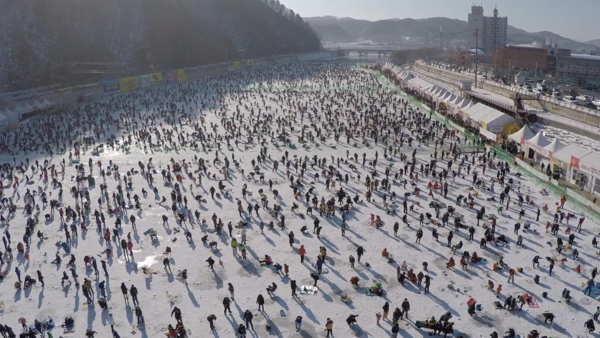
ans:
(583, 99)
(556, 94)
(542, 88)
(528, 87)
(569, 99)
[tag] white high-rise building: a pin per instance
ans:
(492, 29)
(476, 21)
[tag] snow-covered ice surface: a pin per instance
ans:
(297, 88)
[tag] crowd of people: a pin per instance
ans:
(289, 146)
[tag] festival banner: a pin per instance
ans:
(250, 62)
(237, 64)
(171, 76)
(586, 166)
(156, 78)
(181, 75)
(127, 83)
(145, 80)
(110, 86)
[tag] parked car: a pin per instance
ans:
(542, 88)
(556, 94)
(584, 99)
(569, 99)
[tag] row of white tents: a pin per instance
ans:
(544, 148)
(13, 115)
(579, 165)
(490, 121)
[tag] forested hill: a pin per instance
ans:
(73, 41)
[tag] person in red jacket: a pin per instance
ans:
(302, 252)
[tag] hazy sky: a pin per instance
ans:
(574, 19)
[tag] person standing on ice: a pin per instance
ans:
(405, 308)
(293, 286)
(302, 252)
(234, 245)
(260, 300)
(329, 327)
(298, 323)
(226, 305)
(211, 262)
(177, 312)
(360, 252)
(248, 318)
(124, 290)
(231, 291)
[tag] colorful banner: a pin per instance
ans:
(156, 78)
(237, 64)
(171, 76)
(586, 166)
(250, 62)
(110, 86)
(127, 83)
(181, 76)
(145, 80)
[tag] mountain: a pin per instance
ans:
(337, 30)
(595, 42)
(74, 41)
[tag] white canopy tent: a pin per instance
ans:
(457, 100)
(562, 158)
(552, 148)
(539, 140)
(524, 134)
(536, 144)
(495, 121)
(450, 98)
(468, 112)
(419, 84)
(26, 108)
(477, 115)
(3, 119)
(47, 103)
(573, 149)
(13, 116)
(464, 104)
(38, 105)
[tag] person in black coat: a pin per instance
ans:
(260, 300)
(405, 308)
(177, 312)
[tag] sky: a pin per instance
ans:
(581, 23)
